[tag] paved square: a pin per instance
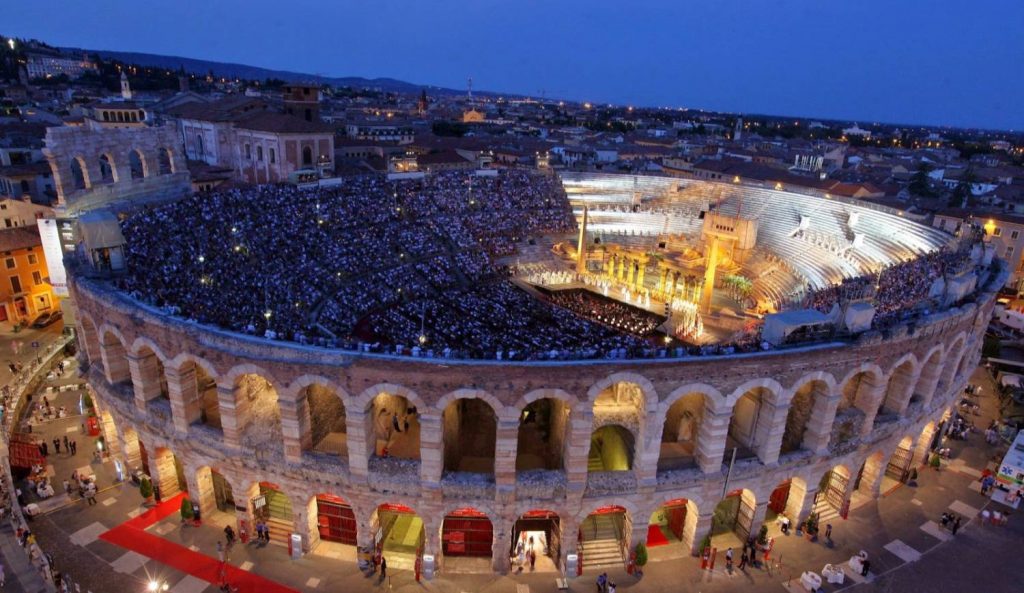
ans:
(246, 565)
(963, 508)
(313, 582)
(190, 584)
(165, 528)
(108, 502)
(87, 534)
(903, 551)
(935, 530)
(916, 502)
(129, 563)
(133, 514)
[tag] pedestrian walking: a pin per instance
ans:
(44, 449)
(229, 534)
(266, 532)
(56, 446)
(74, 448)
(956, 525)
(66, 448)
(533, 559)
(383, 567)
(602, 582)
(728, 560)
(828, 532)
(744, 558)
(67, 487)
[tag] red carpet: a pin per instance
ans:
(655, 536)
(131, 535)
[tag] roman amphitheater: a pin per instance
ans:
(433, 432)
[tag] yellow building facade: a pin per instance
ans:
(25, 291)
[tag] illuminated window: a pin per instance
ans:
(1014, 235)
(11, 264)
(32, 260)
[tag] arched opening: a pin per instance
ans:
(897, 471)
(79, 176)
(325, 430)
(747, 429)
(333, 525)
(168, 474)
(307, 156)
(537, 531)
(467, 539)
(611, 449)
(785, 503)
(673, 525)
(153, 387)
(115, 359)
(401, 535)
(858, 392)
(135, 163)
(832, 491)
(165, 161)
(733, 519)
(271, 506)
(897, 393)
(927, 442)
(869, 479)
(199, 394)
(107, 172)
(91, 343)
(603, 538)
(257, 415)
(215, 497)
(540, 444)
(799, 415)
(679, 435)
(622, 399)
(394, 423)
(469, 427)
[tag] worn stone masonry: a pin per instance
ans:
(897, 386)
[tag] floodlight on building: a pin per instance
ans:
(10, 43)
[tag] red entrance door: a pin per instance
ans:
(780, 495)
(335, 520)
(467, 532)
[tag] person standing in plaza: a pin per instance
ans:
(56, 445)
(956, 525)
(383, 567)
(728, 560)
(66, 447)
(74, 447)
(744, 558)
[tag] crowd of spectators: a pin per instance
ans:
(897, 289)
(607, 311)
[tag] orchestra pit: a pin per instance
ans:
(459, 369)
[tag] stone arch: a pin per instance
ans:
(80, 174)
(147, 366)
(469, 430)
(674, 522)
(683, 412)
(859, 394)
(90, 339)
(165, 161)
(231, 377)
(320, 415)
(951, 360)
(900, 382)
(750, 424)
(808, 405)
(647, 390)
(331, 518)
(114, 355)
(107, 168)
(137, 164)
(380, 405)
(249, 408)
(736, 513)
(834, 487)
(928, 378)
(872, 470)
(542, 435)
(901, 461)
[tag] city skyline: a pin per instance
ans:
(939, 67)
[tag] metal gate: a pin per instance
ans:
(744, 519)
(835, 492)
(899, 465)
(222, 493)
(335, 520)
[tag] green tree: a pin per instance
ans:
(920, 183)
(187, 512)
(146, 488)
(641, 554)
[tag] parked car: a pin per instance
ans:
(47, 319)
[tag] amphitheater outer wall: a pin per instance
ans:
(906, 381)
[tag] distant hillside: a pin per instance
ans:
(227, 70)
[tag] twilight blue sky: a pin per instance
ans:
(944, 62)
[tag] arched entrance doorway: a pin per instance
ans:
(603, 538)
(897, 471)
(470, 429)
(679, 434)
(746, 428)
(673, 525)
(273, 507)
(831, 495)
(467, 540)
(398, 535)
(734, 517)
(394, 424)
(335, 521)
(222, 494)
(541, 436)
(539, 531)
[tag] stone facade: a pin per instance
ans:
(897, 386)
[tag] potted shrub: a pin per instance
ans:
(187, 512)
(811, 527)
(146, 489)
(641, 558)
(936, 462)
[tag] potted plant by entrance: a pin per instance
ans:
(641, 558)
(936, 462)
(811, 527)
(187, 512)
(762, 538)
(146, 490)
